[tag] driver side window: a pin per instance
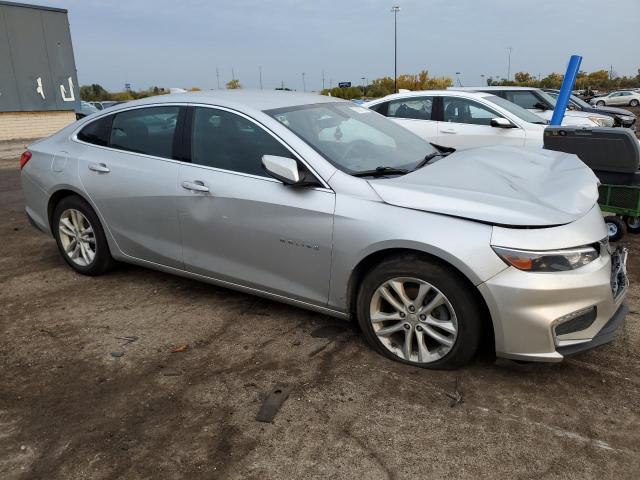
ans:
(462, 110)
(419, 108)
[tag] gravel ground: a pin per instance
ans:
(69, 409)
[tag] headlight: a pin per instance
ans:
(547, 260)
(602, 121)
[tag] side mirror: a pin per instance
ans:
(282, 168)
(501, 123)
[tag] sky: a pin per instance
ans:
(182, 43)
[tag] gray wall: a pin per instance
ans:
(36, 50)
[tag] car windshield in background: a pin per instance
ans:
(353, 138)
(577, 100)
(517, 110)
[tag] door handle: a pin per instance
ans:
(448, 131)
(99, 167)
(195, 186)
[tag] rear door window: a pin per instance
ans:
(418, 108)
(145, 130)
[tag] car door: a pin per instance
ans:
(415, 114)
(467, 123)
(529, 100)
(127, 170)
(241, 226)
(616, 98)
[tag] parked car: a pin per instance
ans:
(540, 103)
(621, 117)
(622, 97)
(329, 206)
(462, 119)
(98, 105)
(85, 109)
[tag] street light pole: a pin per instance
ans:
(363, 86)
(509, 64)
(304, 85)
(395, 9)
(260, 68)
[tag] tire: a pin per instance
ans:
(459, 312)
(634, 103)
(600, 103)
(615, 228)
(632, 224)
(70, 216)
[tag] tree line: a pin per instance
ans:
(598, 80)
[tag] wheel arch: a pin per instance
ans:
(57, 196)
(366, 264)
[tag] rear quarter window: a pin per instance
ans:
(97, 132)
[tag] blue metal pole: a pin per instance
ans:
(565, 90)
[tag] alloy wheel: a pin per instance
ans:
(77, 237)
(413, 319)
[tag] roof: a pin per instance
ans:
(485, 89)
(35, 7)
(419, 93)
(242, 99)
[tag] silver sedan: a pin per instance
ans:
(329, 206)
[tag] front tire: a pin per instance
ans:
(634, 103)
(419, 312)
(600, 103)
(80, 237)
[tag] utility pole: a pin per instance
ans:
(218, 78)
(304, 85)
(260, 70)
(509, 64)
(282, 85)
(395, 9)
(233, 74)
(481, 80)
(322, 79)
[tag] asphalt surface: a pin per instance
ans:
(80, 400)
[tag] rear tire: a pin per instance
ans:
(634, 103)
(633, 224)
(400, 294)
(615, 228)
(80, 237)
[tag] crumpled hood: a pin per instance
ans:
(498, 185)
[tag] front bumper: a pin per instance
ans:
(526, 307)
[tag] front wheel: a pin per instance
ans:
(615, 228)
(600, 103)
(633, 103)
(80, 237)
(419, 312)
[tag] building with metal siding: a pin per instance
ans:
(39, 89)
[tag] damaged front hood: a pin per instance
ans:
(498, 185)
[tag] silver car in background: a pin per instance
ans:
(329, 206)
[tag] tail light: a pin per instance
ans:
(26, 156)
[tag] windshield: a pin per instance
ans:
(577, 100)
(353, 138)
(517, 110)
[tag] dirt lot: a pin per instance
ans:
(69, 409)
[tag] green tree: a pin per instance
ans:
(93, 92)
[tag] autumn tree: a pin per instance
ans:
(233, 84)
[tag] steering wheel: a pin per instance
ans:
(358, 148)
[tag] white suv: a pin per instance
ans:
(462, 119)
(542, 104)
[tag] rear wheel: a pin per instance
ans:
(633, 103)
(633, 224)
(600, 103)
(615, 228)
(419, 312)
(80, 237)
